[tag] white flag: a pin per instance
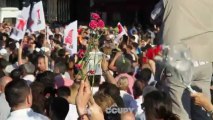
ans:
(70, 37)
(37, 17)
(49, 32)
(21, 24)
(121, 32)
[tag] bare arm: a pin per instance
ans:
(20, 62)
(108, 76)
(203, 101)
(112, 64)
(84, 98)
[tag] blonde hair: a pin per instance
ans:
(103, 100)
(123, 83)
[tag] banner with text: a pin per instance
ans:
(21, 22)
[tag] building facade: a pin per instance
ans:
(112, 11)
(2, 3)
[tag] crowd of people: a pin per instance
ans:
(39, 77)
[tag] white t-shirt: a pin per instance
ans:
(139, 110)
(72, 114)
(26, 114)
(29, 78)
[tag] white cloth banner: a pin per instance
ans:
(70, 37)
(21, 24)
(49, 32)
(122, 32)
(37, 16)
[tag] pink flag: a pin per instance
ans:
(70, 37)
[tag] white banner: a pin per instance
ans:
(37, 16)
(70, 37)
(122, 32)
(21, 24)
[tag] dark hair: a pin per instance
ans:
(38, 97)
(61, 53)
(3, 63)
(135, 45)
(143, 75)
(63, 91)
(158, 106)
(137, 88)
(39, 56)
(12, 45)
(59, 107)
(15, 74)
(13, 58)
(146, 36)
(96, 81)
(40, 40)
(61, 66)
(113, 91)
(25, 54)
(51, 37)
(16, 92)
(46, 78)
(33, 57)
(27, 68)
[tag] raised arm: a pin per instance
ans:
(20, 50)
(108, 76)
(112, 64)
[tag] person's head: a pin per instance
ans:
(113, 91)
(25, 58)
(58, 37)
(134, 45)
(38, 97)
(57, 30)
(60, 68)
(41, 63)
(123, 83)
(145, 40)
(158, 105)
(46, 78)
(59, 107)
(3, 63)
(138, 88)
(40, 40)
(27, 68)
(3, 82)
(33, 58)
(15, 74)
(123, 65)
(103, 100)
(18, 94)
(64, 92)
(144, 75)
(61, 53)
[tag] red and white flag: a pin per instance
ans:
(121, 32)
(70, 37)
(37, 21)
(21, 22)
